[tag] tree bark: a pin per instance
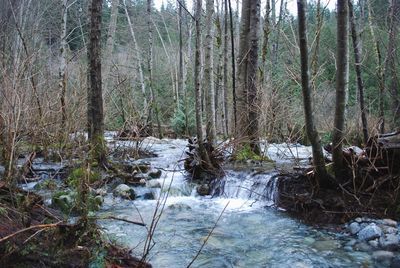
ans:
(95, 97)
(235, 115)
(225, 75)
(264, 50)
(357, 65)
(139, 63)
(391, 61)
(63, 65)
(342, 76)
(110, 47)
(197, 85)
(247, 130)
(312, 134)
(209, 73)
(380, 73)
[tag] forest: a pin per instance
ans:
(215, 133)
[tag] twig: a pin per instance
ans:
(120, 219)
(39, 226)
(208, 236)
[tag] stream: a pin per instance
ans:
(251, 232)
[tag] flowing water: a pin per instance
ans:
(250, 232)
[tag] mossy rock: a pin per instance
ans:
(246, 153)
(64, 200)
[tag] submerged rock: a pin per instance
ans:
(153, 184)
(370, 232)
(382, 255)
(124, 191)
(389, 241)
(203, 189)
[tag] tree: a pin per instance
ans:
(391, 61)
(312, 134)
(197, 85)
(357, 65)
(63, 64)
(95, 97)
(342, 77)
(209, 73)
(247, 130)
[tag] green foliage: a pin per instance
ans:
(49, 184)
(326, 137)
(79, 174)
(178, 121)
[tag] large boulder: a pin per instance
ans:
(369, 232)
(124, 191)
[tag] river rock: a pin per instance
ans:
(383, 255)
(149, 196)
(370, 232)
(390, 222)
(326, 245)
(388, 229)
(154, 173)
(374, 243)
(354, 228)
(124, 191)
(389, 241)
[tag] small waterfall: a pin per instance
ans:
(255, 186)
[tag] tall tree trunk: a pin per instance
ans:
(391, 61)
(95, 97)
(139, 63)
(380, 73)
(197, 85)
(235, 115)
(315, 56)
(357, 63)
(342, 76)
(110, 46)
(225, 75)
(247, 130)
(312, 134)
(63, 65)
(264, 50)
(209, 73)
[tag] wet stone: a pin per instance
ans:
(124, 191)
(154, 174)
(389, 222)
(370, 232)
(354, 228)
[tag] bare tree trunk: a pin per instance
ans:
(110, 46)
(247, 130)
(225, 75)
(219, 66)
(315, 56)
(357, 62)
(63, 65)
(235, 115)
(264, 50)
(342, 76)
(391, 61)
(380, 73)
(312, 134)
(139, 63)
(209, 72)
(95, 97)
